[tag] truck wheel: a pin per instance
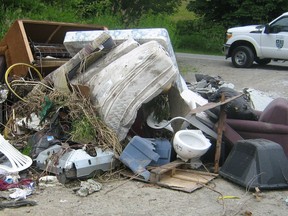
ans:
(262, 61)
(242, 57)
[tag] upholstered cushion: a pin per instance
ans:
(276, 112)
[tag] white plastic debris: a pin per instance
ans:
(286, 201)
(30, 122)
(48, 181)
(20, 194)
(259, 99)
(88, 187)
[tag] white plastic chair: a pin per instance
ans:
(18, 160)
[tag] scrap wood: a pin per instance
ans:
(258, 194)
(17, 203)
(220, 129)
(185, 181)
(194, 176)
(213, 105)
(172, 176)
(158, 171)
(228, 197)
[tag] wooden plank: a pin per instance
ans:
(193, 178)
(198, 172)
(213, 105)
(155, 174)
(219, 135)
(176, 178)
(185, 181)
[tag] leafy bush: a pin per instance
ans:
(190, 35)
(197, 35)
(159, 21)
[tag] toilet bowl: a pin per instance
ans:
(191, 145)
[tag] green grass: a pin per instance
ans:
(183, 13)
(191, 37)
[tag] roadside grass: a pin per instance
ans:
(183, 13)
(186, 70)
(191, 36)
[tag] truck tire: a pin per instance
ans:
(242, 57)
(262, 61)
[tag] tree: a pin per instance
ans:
(129, 11)
(238, 12)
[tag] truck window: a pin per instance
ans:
(280, 25)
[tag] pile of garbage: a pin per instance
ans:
(119, 101)
(75, 121)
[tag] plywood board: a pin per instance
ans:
(174, 176)
(184, 180)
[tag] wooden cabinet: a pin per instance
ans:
(39, 43)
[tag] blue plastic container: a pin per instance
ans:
(138, 154)
(163, 148)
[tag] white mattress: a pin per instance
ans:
(75, 40)
(89, 74)
(131, 80)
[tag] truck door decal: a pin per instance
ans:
(279, 43)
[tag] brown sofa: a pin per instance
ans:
(271, 125)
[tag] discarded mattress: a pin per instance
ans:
(88, 75)
(128, 82)
(74, 41)
(59, 76)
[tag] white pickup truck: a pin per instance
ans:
(259, 43)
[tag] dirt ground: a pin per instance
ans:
(130, 197)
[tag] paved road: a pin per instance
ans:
(271, 79)
(221, 59)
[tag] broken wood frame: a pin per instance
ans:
(17, 44)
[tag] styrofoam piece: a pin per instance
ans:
(188, 97)
(130, 81)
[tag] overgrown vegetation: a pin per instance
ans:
(190, 27)
(92, 12)
(238, 12)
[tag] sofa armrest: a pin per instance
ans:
(257, 126)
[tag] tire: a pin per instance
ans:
(242, 57)
(262, 61)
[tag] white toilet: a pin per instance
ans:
(191, 145)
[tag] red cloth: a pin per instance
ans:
(22, 183)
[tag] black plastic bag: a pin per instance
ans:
(238, 108)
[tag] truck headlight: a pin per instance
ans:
(228, 35)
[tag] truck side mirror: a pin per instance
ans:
(267, 29)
